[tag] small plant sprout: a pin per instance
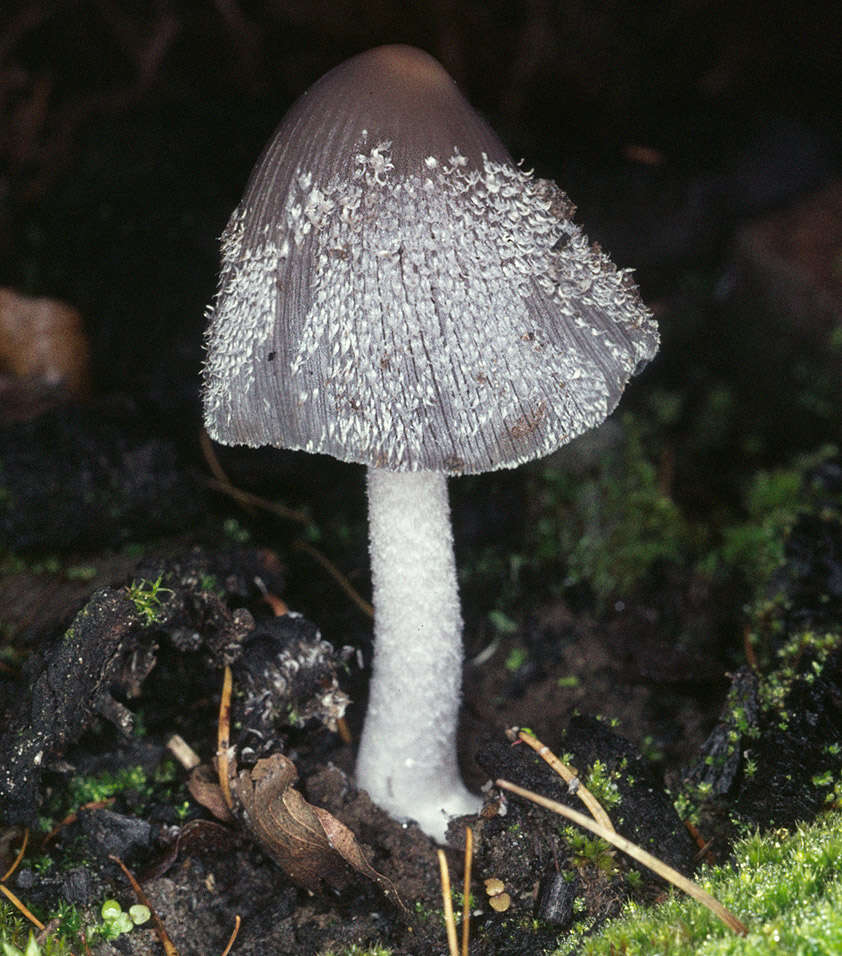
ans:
(395, 291)
(32, 948)
(116, 921)
(148, 598)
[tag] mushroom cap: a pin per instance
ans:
(395, 291)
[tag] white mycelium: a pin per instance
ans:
(395, 291)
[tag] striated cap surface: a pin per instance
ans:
(395, 291)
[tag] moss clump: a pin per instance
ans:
(613, 527)
(755, 547)
(18, 939)
(786, 887)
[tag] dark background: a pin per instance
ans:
(128, 129)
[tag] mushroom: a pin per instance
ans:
(396, 292)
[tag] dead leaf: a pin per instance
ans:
(204, 788)
(198, 838)
(307, 842)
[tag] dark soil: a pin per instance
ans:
(77, 701)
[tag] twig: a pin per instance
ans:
(221, 482)
(466, 892)
(223, 735)
(17, 903)
(703, 853)
(13, 899)
(227, 949)
(166, 942)
(183, 752)
(344, 731)
(634, 851)
(279, 606)
(18, 858)
(570, 777)
(337, 575)
(212, 459)
(250, 501)
(74, 816)
(748, 648)
(449, 920)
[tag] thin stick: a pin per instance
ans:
(221, 482)
(449, 921)
(183, 752)
(48, 930)
(18, 858)
(748, 647)
(73, 817)
(16, 902)
(466, 892)
(634, 851)
(227, 949)
(249, 501)
(212, 459)
(223, 735)
(344, 731)
(166, 942)
(337, 576)
(569, 776)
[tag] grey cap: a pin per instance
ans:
(395, 291)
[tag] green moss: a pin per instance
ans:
(101, 786)
(612, 528)
(117, 922)
(17, 937)
(502, 623)
(80, 572)
(786, 887)
(602, 783)
(516, 658)
(15, 931)
(753, 546)
(804, 647)
(587, 851)
(235, 532)
(49, 564)
(209, 582)
(133, 781)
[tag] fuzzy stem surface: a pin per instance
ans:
(407, 757)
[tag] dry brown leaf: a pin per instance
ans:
(203, 785)
(198, 838)
(307, 842)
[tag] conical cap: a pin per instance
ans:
(395, 291)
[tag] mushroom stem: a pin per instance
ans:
(407, 757)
